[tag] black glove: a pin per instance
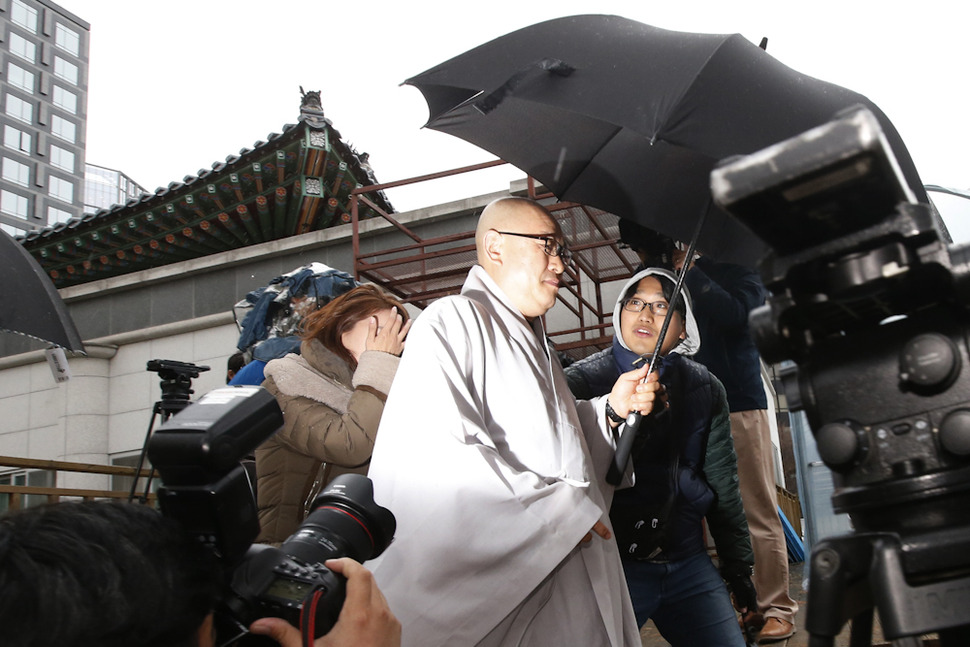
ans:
(738, 578)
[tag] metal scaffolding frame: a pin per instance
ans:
(429, 268)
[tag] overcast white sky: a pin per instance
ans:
(177, 85)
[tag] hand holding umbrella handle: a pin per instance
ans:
(630, 428)
(624, 447)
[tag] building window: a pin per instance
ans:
(67, 39)
(16, 139)
(60, 189)
(19, 77)
(123, 483)
(104, 188)
(20, 109)
(13, 204)
(55, 215)
(33, 478)
(24, 15)
(63, 128)
(13, 231)
(62, 158)
(65, 100)
(14, 171)
(23, 48)
(65, 70)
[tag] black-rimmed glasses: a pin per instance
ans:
(550, 245)
(657, 308)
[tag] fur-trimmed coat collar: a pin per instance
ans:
(299, 375)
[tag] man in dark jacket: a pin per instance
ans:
(724, 295)
(686, 471)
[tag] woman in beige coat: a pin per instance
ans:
(332, 395)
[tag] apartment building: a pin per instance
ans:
(43, 109)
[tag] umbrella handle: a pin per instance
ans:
(624, 447)
(628, 432)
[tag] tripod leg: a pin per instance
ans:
(820, 641)
(861, 633)
(955, 636)
(838, 589)
(141, 457)
(908, 641)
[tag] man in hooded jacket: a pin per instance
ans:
(686, 471)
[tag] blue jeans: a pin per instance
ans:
(687, 600)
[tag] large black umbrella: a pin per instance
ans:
(630, 118)
(29, 302)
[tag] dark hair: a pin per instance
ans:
(111, 574)
(329, 323)
(235, 362)
(655, 249)
(667, 286)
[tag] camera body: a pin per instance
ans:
(197, 452)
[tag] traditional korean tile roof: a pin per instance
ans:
(295, 182)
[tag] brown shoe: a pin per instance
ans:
(776, 629)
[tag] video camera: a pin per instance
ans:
(197, 452)
(872, 306)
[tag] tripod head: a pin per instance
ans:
(176, 386)
(176, 382)
(869, 302)
(873, 307)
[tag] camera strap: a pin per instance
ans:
(308, 615)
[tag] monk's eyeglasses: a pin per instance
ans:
(550, 245)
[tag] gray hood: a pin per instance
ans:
(688, 346)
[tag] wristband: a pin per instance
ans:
(612, 414)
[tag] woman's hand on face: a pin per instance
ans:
(390, 337)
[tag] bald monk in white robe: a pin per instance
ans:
(496, 474)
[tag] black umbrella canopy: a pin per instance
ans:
(631, 118)
(29, 303)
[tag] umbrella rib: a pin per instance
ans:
(589, 160)
(658, 136)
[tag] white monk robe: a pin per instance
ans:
(481, 458)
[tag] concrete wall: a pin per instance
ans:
(179, 312)
(104, 410)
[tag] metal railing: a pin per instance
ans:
(16, 493)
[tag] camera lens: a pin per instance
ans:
(345, 522)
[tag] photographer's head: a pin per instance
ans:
(520, 246)
(113, 574)
(106, 574)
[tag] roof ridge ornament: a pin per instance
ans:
(311, 109)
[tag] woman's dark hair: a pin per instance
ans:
(329, 323)
(667, 286)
